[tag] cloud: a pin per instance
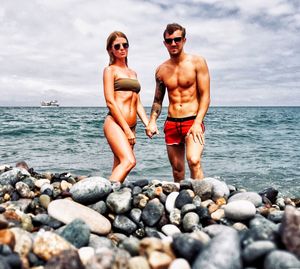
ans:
(251, 46)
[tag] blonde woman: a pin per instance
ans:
(121, 91)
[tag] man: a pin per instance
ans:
(186, 79)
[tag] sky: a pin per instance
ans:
(55, 49)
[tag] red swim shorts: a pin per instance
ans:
(175, 129)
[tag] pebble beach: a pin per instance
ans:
(63, 221)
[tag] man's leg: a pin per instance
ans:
(176, 158)
(193, 155)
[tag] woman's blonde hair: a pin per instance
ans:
(111, 38)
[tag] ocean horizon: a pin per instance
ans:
(253, 147)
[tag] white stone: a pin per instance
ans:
(66, 211)
(170, 202)
(240, 210)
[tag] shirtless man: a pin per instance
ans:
(186, 79)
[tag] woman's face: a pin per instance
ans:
(120, 47)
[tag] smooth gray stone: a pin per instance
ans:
(215, 229)
(170, 229)
(183, 198)
(276, 216)
(257, 250)
(90, 190)
(131, 244)
(135, 214)
(119, 202)
(190, 220)
(185, 246)
(77, 233)
(279, 259)
(252, 197)
(124, 224)
(219, 189)
(100, 207)
(188, 208)
(240, 210)
(223, 251)
(97, 241)
(263, 229)
(152, 212)
(202, 188)
(13, 176)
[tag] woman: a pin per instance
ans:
(121, 91)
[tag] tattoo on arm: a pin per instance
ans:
(158, 98)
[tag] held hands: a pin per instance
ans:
(197, 133)
(151, 129)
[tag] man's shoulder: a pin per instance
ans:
(196, 58)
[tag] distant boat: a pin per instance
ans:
(53, 103)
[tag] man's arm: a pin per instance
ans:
(203, 86)
(160, 91)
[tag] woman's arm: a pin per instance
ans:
(141, 112)
(108, 86)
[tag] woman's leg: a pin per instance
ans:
(124, 159)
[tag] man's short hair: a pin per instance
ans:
(172, 27)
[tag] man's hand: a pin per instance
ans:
(151, 129)
(197, 133)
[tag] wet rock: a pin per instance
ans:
(276, 216)
(270, 194)
(223, 251)
(24, 190)
(215, 229)
(90, 190)
(169, 187)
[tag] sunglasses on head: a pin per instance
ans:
(118, 46)
(169, 41)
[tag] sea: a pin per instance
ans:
(250, 147)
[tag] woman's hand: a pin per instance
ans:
(130, 136)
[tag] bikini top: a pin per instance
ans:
(127, 84)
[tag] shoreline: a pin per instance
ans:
(143, 224)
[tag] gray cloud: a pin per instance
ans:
(56, 49)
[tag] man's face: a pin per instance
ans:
(174, 42)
